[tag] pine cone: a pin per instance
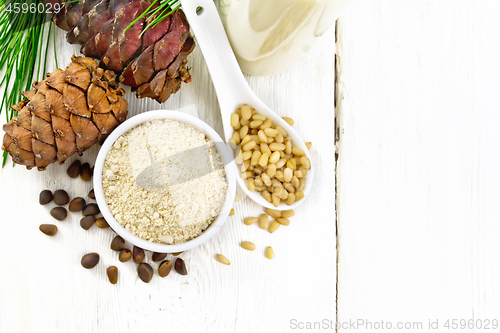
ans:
(153, 63)
(64, 114)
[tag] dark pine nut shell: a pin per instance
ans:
(87, 221)
(85, 172)
(91, 194)
(118, 243)
(112, 273)
(77, 204)
(48, 229)
(45, 197)
(61, 197)
(145, 272)
(59, 213)
(138, 255)
(180, 266)
(124, 255)
(101, 223)
(164, 268)
(159, 256)
(91, 209)
(73, 170)
(90, 260)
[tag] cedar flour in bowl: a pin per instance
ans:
(164, 182)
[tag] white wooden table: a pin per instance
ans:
(415, 237)
(45, 289)
(418, 192)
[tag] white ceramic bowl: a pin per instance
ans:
(225, 154)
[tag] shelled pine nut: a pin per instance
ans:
(289, 120)
(264, 221)
(251, 220)
(274, 226)
(269, 253)
(268, 161)
(283, 221)
(273, 213)
(248, 246)
(222, 259)
(235, 121)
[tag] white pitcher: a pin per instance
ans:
(268, 36)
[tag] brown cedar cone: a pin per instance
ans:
(66, 113)
(153, 64)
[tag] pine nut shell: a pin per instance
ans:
(112, 273)
(48, 229)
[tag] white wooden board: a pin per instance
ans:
(44, 289)
(419, 167)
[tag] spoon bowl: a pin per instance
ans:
(231, 87)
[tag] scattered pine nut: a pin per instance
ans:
(273, 212)
(231, 213)
(283, 221)
(308, 145)
(288, 213)
(248, 246)
(269, 253)
(222, 259)
(250, 220)
(289, 120)
(237, 198)
(264, 221)
(274, 226)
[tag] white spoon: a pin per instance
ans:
(231, 86)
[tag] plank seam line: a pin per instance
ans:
(338, 97)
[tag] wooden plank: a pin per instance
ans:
(45, 289)
(418, 169)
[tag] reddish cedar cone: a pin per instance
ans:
(153, 63)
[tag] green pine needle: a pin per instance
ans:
(163, 7)
(23, 52)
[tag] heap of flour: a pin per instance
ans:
(183, 198)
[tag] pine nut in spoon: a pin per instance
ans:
(233, 92)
